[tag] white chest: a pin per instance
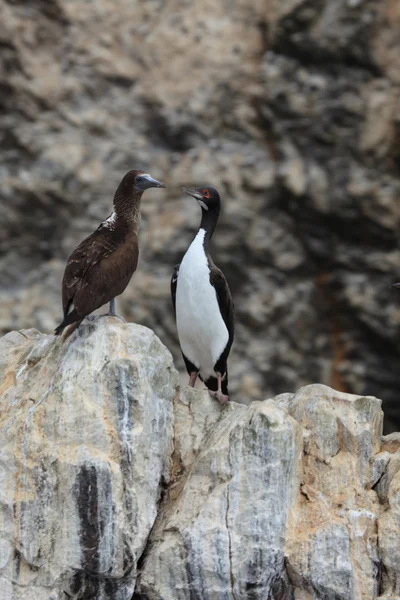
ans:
(202, 332)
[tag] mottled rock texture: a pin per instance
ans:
(284, 499)
(86, 440)
(290, 108)
(116, 485)
(222, 535)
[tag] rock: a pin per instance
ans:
(87, 437)
(115, 485)
(388, 488)
(289, 108)
(332, 545)
(223, 535)
(290, 518)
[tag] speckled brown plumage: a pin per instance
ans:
(100, 268)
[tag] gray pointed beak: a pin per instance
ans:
(149, 182)
(193, 193)
(396, 285)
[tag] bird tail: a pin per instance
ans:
(68, 320)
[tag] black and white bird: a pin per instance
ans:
(203, 304)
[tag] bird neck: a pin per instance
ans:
(209, 219)
(127, 206)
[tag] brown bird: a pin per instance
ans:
(100, 268)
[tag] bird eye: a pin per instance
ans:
(138, 179)
(205, 193)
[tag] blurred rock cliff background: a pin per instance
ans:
(290, 108)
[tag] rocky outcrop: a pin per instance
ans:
(332, 549)
(116, 485)
(222, 533)
(87, 436)
(290, 108)
(277, 502)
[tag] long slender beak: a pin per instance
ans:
(397, 285)
(193, 193)
(149, 182)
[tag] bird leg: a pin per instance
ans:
(222, 398)
(192, 379)
(112, 311)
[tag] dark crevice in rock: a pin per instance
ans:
(310, 54)
(294, 37)
(232, 577)
(321, 233)
(169, 133)
(384, 580)
(123, 81)
(86, 493)
(140, 596)
(53, 9)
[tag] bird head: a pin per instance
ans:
(207, 197)
(143, 181)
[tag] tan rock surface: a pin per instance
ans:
(388, 488)
(332, 549)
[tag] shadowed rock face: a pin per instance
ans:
(116, 485)
(289, 108)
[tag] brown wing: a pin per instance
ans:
(99, 269)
